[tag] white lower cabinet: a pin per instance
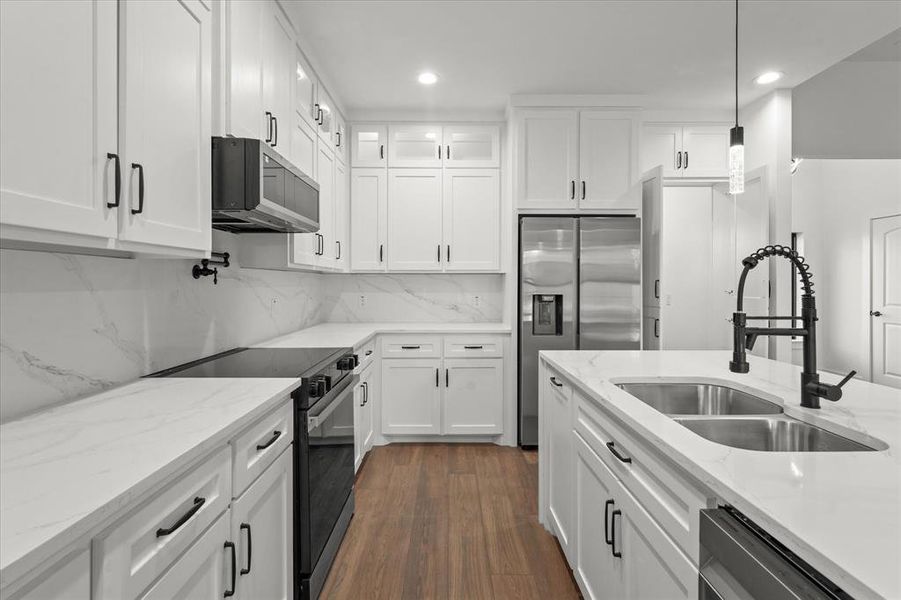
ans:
(262, 530)
(69, 579)
(559, 449)
(473, 388)
(364, 395)
(411, 396)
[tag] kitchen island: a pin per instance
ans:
(838, 511)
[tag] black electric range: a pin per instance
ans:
(323, 444)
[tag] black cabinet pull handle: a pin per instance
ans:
(164, 531)
(613, 533)
(338, 256)
(439, 152)
(368, 352)
(446, 377)
(448, 152)
(246, 527)
(275, 435)
(318, 114)
(231, 546)
(269, 129)
(436, 377)
(118, 184)
(365, 393)
(583, 190)
(875, 313)
(685, 166)
(410, 347)
(338, 136)
(439, 252)
(382, 152)
(679, 159)
(140, 169)
(612, 447)
(572, 189)
(607, 537)
(381, 252)
(473, 348)
(657, 288)
(275, 137)
(555, 382)
(448, 253)
(656, 328)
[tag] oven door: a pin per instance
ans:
(326, 469)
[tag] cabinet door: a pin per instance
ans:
(202, 573)
(410, 396)
(560, 462)
(651, 218)
(262, 528)
(69, 579)
(471, 146)
(278, 76)
(340, 246)
(651, 329)
(325, 108)
(547, 164)
(369, 408)
(705, 151)
(414, 220)
(414, 146)
(473, 396)
(598, 573)
(244, 108)
(607, 154)
(165, 123)
(58, 116)
(325, 176)
(660, 145)
(305, 85)
(304, 146)
(359, 396)
(368, 219)
(471, 220)
(368, 145)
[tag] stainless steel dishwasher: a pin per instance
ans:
(741, 561)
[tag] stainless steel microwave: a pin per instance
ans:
(256, 190)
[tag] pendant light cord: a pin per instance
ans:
(736, 63)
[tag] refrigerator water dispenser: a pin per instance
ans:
(547, 311)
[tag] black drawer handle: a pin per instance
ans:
(382, 152)
(381, 252)
(472, 347)
(613, 533)
(555, 382)
(607, 537)
(409, 347)
(115, 158)
(140, 169)
(246, 527)
(231, 546)
(368, 352)
(164, 531)
(612, 447)
(275, 436)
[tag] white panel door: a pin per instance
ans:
(340, 245)
(414, 146)
(705, 151)
(547, 164)
(472, 146)
(279, 76)
(203, 572)
(414, 220)
(58, 116)
(304, 146)
(305, 87)
(368, 145)
(325, 176)
(410, 397)
(245, 115)
(661, 145)
(473, 396)
(262, 527)
(598, 573)
(885, 311)
(368, 219)
(165, 113)
(607, 154)
(471, 220)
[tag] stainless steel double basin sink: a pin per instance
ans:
(735, 418)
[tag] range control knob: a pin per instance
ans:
(347, 363)
(318, 387)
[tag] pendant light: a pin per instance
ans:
(736, 134)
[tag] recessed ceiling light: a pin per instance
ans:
(768, 77)
(427, 78)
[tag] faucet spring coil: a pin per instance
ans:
(785, 251)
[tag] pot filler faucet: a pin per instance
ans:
(744, 337)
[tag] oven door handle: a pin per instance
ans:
(314, 420)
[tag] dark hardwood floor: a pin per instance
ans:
(437, 521)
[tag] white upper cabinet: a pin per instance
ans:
(304, 146)
(340, 138)
(414, 220)
(700, 151)
(279, 75)
(325, 175)
(368, 145)
(471, 146)
(341, 246)
(471, 220)
(368, 219)
(414, 145)
(54, 170)
(165, 123)
(325, 116)
(547, 164)
(608, 153)
(305, 89)
(245, 115)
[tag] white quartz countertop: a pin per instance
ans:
(840, 511)
(341, 335)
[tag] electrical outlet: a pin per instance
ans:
(362, 300)
(476, 301)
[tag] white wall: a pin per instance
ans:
(833, 203)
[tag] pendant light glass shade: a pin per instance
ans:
(737, 160)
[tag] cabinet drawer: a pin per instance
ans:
(473, 347)
(411, 346)
(558, 386)
(131, 555)
(366, 353)
(666, 495)
(260, 444)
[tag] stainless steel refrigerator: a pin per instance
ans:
(579, 289)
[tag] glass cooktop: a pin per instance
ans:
(259, 362)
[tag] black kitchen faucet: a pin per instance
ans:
(744, 337)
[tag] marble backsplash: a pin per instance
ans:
(448, 298)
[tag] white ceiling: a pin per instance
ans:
(679, 53)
